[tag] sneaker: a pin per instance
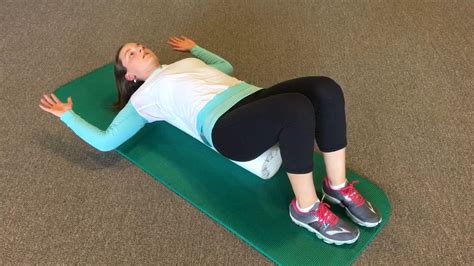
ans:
(325, 224)
(357, 208)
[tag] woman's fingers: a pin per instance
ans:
(44, 108)
(177, 40)
(174, 39)
(45, 103)
(177, 44)
(51, 111)
(173, 43)
(46, 97)
(182, 45)
(55, 98)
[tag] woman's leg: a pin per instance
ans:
(303, 187)
(287, 118)
(328, 102)
(335, 163)
(245, 133)
(263, 119)
(327, 99)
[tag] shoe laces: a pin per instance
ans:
(350, 191)
(325, 215)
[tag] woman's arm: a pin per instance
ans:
(212, 59)
(124, 126)
(185, 44)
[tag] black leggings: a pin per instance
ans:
(292, 113)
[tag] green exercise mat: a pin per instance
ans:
(254, 209)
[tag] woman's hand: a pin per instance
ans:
(183, 45)
(54, 105)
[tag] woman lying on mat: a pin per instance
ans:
(239, 120)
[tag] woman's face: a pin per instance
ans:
(139, 61)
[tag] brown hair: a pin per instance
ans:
(125, 88)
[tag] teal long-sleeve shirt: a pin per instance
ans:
(128, 122)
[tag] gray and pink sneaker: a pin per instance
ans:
(325, 224)
(357, 208)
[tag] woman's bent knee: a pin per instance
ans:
(300, 110)
(326, 89)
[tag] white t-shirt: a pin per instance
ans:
(177, 92)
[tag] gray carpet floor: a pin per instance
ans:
(406, 68)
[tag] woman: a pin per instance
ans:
(241, 121)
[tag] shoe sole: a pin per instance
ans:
(349, 213)
(322, 237)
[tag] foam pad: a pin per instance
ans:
(266, 165)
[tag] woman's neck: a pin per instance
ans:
(151, 70)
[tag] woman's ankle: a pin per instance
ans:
(306, 209)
